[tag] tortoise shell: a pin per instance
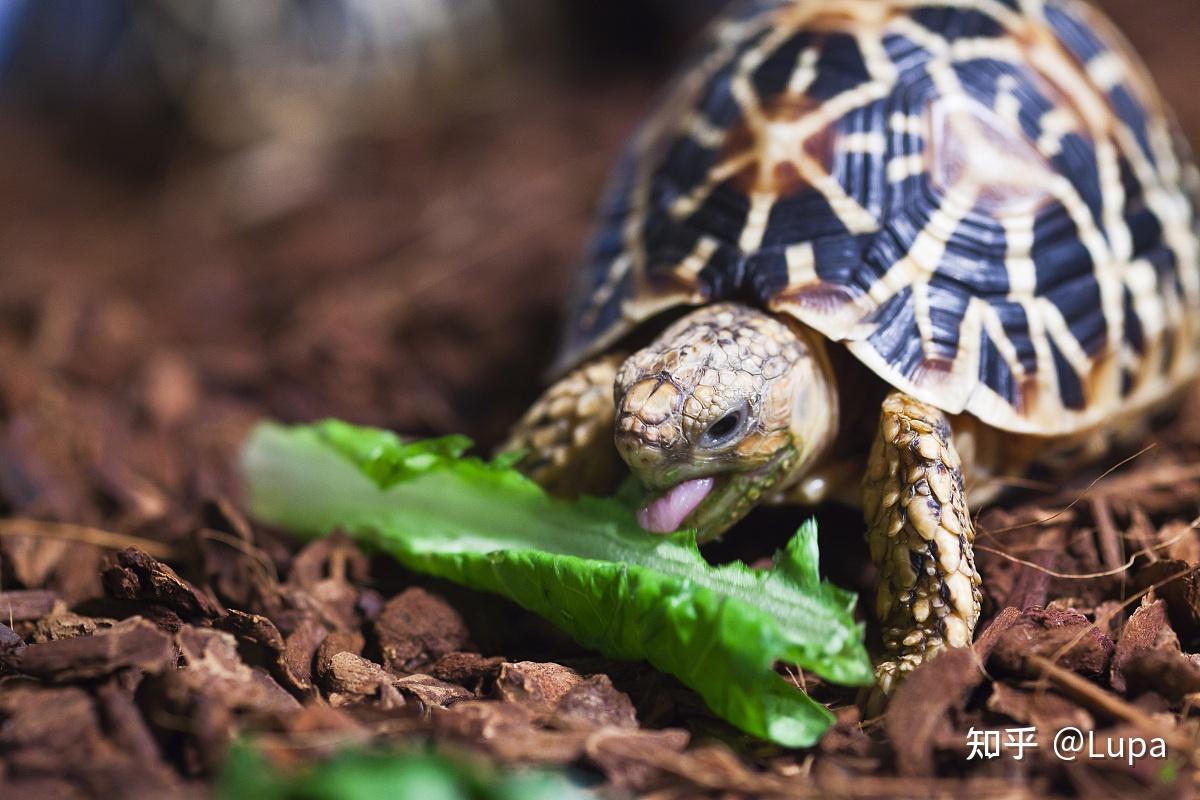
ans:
(986, 201)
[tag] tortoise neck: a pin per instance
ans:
(815, 409)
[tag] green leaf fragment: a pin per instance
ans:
(586, 566)
(379, 775)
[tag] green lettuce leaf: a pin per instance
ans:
(586, 566)
(372, 775)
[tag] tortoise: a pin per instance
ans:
(893, 252)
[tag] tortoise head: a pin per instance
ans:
(728, 405)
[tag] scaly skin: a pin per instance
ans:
(775, 380)
(720, 360)
(567, 434)
(920, 533)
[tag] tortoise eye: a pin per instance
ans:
(725, 429)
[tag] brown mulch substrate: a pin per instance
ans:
(145, 622)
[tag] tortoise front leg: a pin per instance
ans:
(920, 533)
(567, 435)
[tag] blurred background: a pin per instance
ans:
(215, 210)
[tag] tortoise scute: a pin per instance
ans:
(989, 206)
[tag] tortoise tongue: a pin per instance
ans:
(665, 514)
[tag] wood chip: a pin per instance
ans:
(215, 673)
(594, 703)
(1177, 583)
(1164, 671)
(1046, 711)
(918, 711)
(355, 675)
(535, 685)
(300, 652)
(1139, 634)
(467, 669)
(337, 642)
(432, 692)
(25, 605)
(12, 648)
(415, 628)
(66, 625)
(130, 643)
(135, 574)
(1065, 635)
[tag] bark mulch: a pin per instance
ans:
(145, 622)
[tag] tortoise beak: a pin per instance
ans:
(711, 504)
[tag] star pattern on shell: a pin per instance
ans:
(986, 201)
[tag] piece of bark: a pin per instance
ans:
(536, 685)
(316, 733)
(1164, 671)
(26, 605)
(471, 670)
(847, 737)
(917, 716)
(1184, 543)
(233, 564)
(262, 645)
(1107, 535)
(139, 499)
(432, 693)
(130, 643)
(299, 653)
(1066, 635)
(336, 557)
(256, 635)
(509, 732)
(12, 648)
(135, 575)
(212, 720)
(123, 719)
(1180, 588)
(594, 703)
(40, 725)
(337, 642)
(169, 388)
(354, 675)
(1139, 634)
(986, 641)
(639, 761)
(324, 569)
(1046, 711)
(67, 625)
(482, 719)
(58, 734)
(415, 628)
(214, 670)
(104, 606)
(1107, 616)
(1029, 583)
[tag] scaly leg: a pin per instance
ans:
(920, 534)
(567, 434)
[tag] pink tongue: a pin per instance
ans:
(665, 514)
